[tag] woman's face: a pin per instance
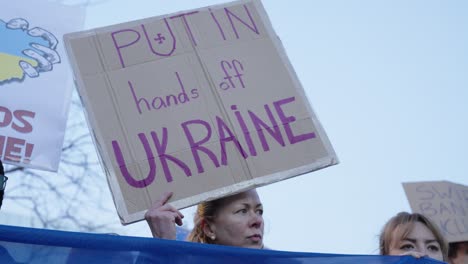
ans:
(420, 240)
(239, 221)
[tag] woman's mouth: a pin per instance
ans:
(255, 238)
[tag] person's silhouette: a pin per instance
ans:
(5, 256)
(3, 180)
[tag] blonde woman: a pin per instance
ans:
(235, 220)
(412, 234)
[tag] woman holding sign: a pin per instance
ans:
(232, 221)
(412, 234)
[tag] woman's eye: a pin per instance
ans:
(260, 211)
(407, 247)
(243, 211)
(433, 248)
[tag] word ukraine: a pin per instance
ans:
(226, 136)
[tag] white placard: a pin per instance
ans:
(35, 81)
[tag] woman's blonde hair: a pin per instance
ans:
(205, 213)
(399, 226)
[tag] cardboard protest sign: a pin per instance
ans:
(35, 81)
(203, 103)
(445, 203)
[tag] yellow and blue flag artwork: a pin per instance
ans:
(27, 51)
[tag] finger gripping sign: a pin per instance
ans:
(203, 103)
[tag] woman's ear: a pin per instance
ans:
(209, 229)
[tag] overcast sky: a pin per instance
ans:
(389, 82)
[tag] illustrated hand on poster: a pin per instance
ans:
(39, 55)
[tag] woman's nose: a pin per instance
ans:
(422, 250)
(256, 221)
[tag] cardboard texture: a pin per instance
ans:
(445, 203)
(203, 103)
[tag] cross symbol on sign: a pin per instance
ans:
(160, 38)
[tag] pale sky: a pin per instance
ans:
(389, 82)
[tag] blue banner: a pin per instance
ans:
(30, 245)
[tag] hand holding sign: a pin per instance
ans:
(162, 217)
